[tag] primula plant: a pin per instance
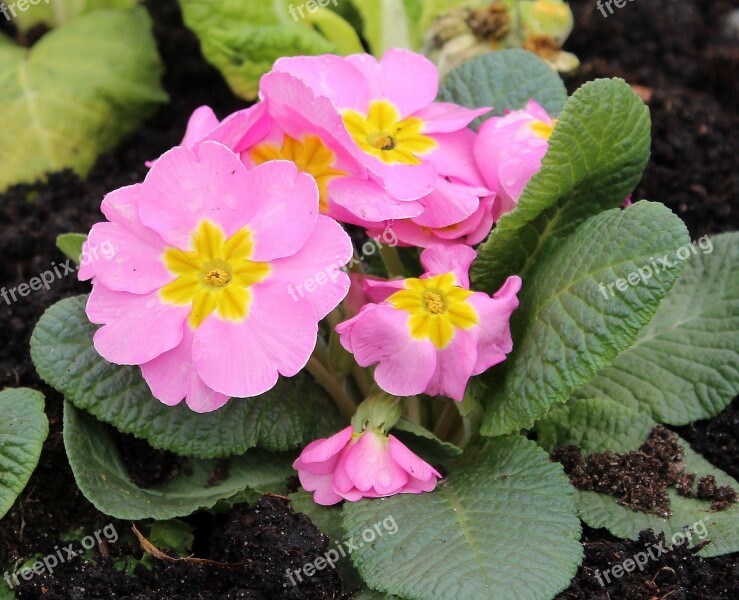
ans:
(407, 294)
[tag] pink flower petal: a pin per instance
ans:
(202, 121)
(412, 464)
(242, 129)
(323, 450)
(409, 80)
(331, 76)
(369, 202)
(494, 330)
(244, 359)
(314, 273)
(438, 260)
(287, 202)
(137, 328)
(444, 117)
(185, 187)
(321, 486)
(371, 467)
(454, 365)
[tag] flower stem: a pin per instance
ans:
(391, 258)
(445, 424)
(341, 399)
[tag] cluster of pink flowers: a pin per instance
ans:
(248, 207)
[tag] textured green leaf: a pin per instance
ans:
(598, 425)
(23, 429)
(684, 365)
(103, 479)
(71, 245)
(596, 156)
(565, 330)
(337, 31)
(293, 413)
(504, 80)
(424, 443)
(243, 38)
(76, 93)
(502, 526)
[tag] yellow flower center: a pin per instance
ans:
(543, 129)
(309, 154)
(382, 134)
(437, 308)
(215, 276)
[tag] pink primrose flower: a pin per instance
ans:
(197, 293)
(431, 334)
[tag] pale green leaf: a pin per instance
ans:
(501, 526)
(243, 38)
(71, 245)
(76, 93)
(55, 13)
(565, 330)
(293, 413)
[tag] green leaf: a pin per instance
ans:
(502, 526)
(385, 24)
(243, 38)
(566, 329)
(328, 520)
(596, 156)
(293, 413)
(60, 12)
(71, 245)
(424, 443)
(598, 425)
(504, 80)
(101, 475)
(23, 429)
(337, 31)
(76, 93)
(684, 365)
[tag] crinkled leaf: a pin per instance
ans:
(501, 526)
(565, 329)
(600, 424)
(243, 38)
(424, 443)
(101, 475)
(23, 429)
(684, 365)
(76, 93)
(293, 413)
(596, 156)
(504, 80)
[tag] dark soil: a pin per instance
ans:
(671, 47)
(675, 573)
(678, 50)
(640, 479)
(260, 545)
